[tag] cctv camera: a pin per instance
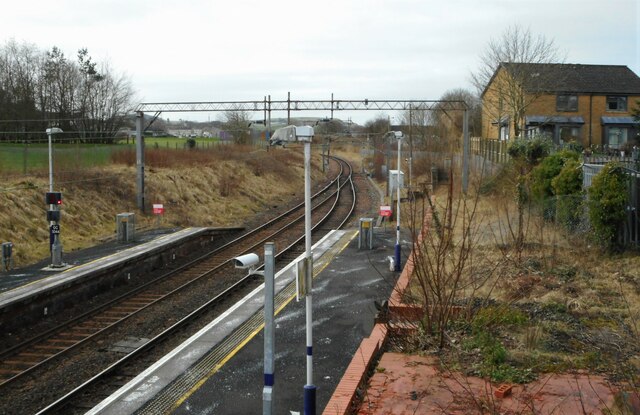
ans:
(246, 261)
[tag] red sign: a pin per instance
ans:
(158, 209)
(385, 211)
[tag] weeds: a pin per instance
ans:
(441, 260)
(186, 182)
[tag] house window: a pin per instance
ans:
(568, 134)
(616, 103)
(504, 133)
(617, 136)
(565, 102)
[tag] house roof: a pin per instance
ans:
(577, 78)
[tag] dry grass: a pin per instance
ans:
(568, 304)
(198, 188)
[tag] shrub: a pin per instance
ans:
(607, 204)
(530, 151)
(541, 177)
(525, 154)
(543, 174)
(567, 185)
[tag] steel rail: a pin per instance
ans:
(17, 349)
(65, 400)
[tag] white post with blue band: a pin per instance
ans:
(309, 388)
(398, 257)
(269, 328)
(304, 134)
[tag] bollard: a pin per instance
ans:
(365, 236)
(7, 250)
(126, 227)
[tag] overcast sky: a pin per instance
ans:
(213, 50)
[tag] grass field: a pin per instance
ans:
(17, 158)
(20, 158)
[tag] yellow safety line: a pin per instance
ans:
(216, 367)
(232, 353)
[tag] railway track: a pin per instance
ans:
(174, 300)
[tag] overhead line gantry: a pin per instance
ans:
(266, 106)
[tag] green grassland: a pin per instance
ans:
(24, 158)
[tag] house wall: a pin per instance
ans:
(491, 108)
(488, 115)
(590, 107)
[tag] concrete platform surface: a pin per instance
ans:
(31, 281)
(347, 281)
(17, 277)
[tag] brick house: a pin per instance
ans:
(586, 104)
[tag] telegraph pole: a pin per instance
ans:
(140, 160)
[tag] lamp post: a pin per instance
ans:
(398, 136)
(50, 132)
(305, 135)
(54, 214)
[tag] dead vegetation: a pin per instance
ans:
(221, 187)
(514, 307)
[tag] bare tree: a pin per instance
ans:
(236, 123)
(513, 72)
(62, 78)
(104, 99)
(18, 80)
(417, 125)
(83, 96)
(376, 130)
(448, 123)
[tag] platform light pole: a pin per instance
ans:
(398, 135)
(50, 132)
(54, 227)
(304, 135)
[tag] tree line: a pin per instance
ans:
(39, 89)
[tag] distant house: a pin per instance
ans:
(586, 104)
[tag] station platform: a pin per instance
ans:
(219, 370)
(17, 277)
(31, 289)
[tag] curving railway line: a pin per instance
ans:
(70, 367)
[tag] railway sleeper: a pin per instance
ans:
(81, 333)
(121, 313)
(50, 347)
(106, 318)
(121, 309)
(63, 341)
(41, 354)
(27, 363)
